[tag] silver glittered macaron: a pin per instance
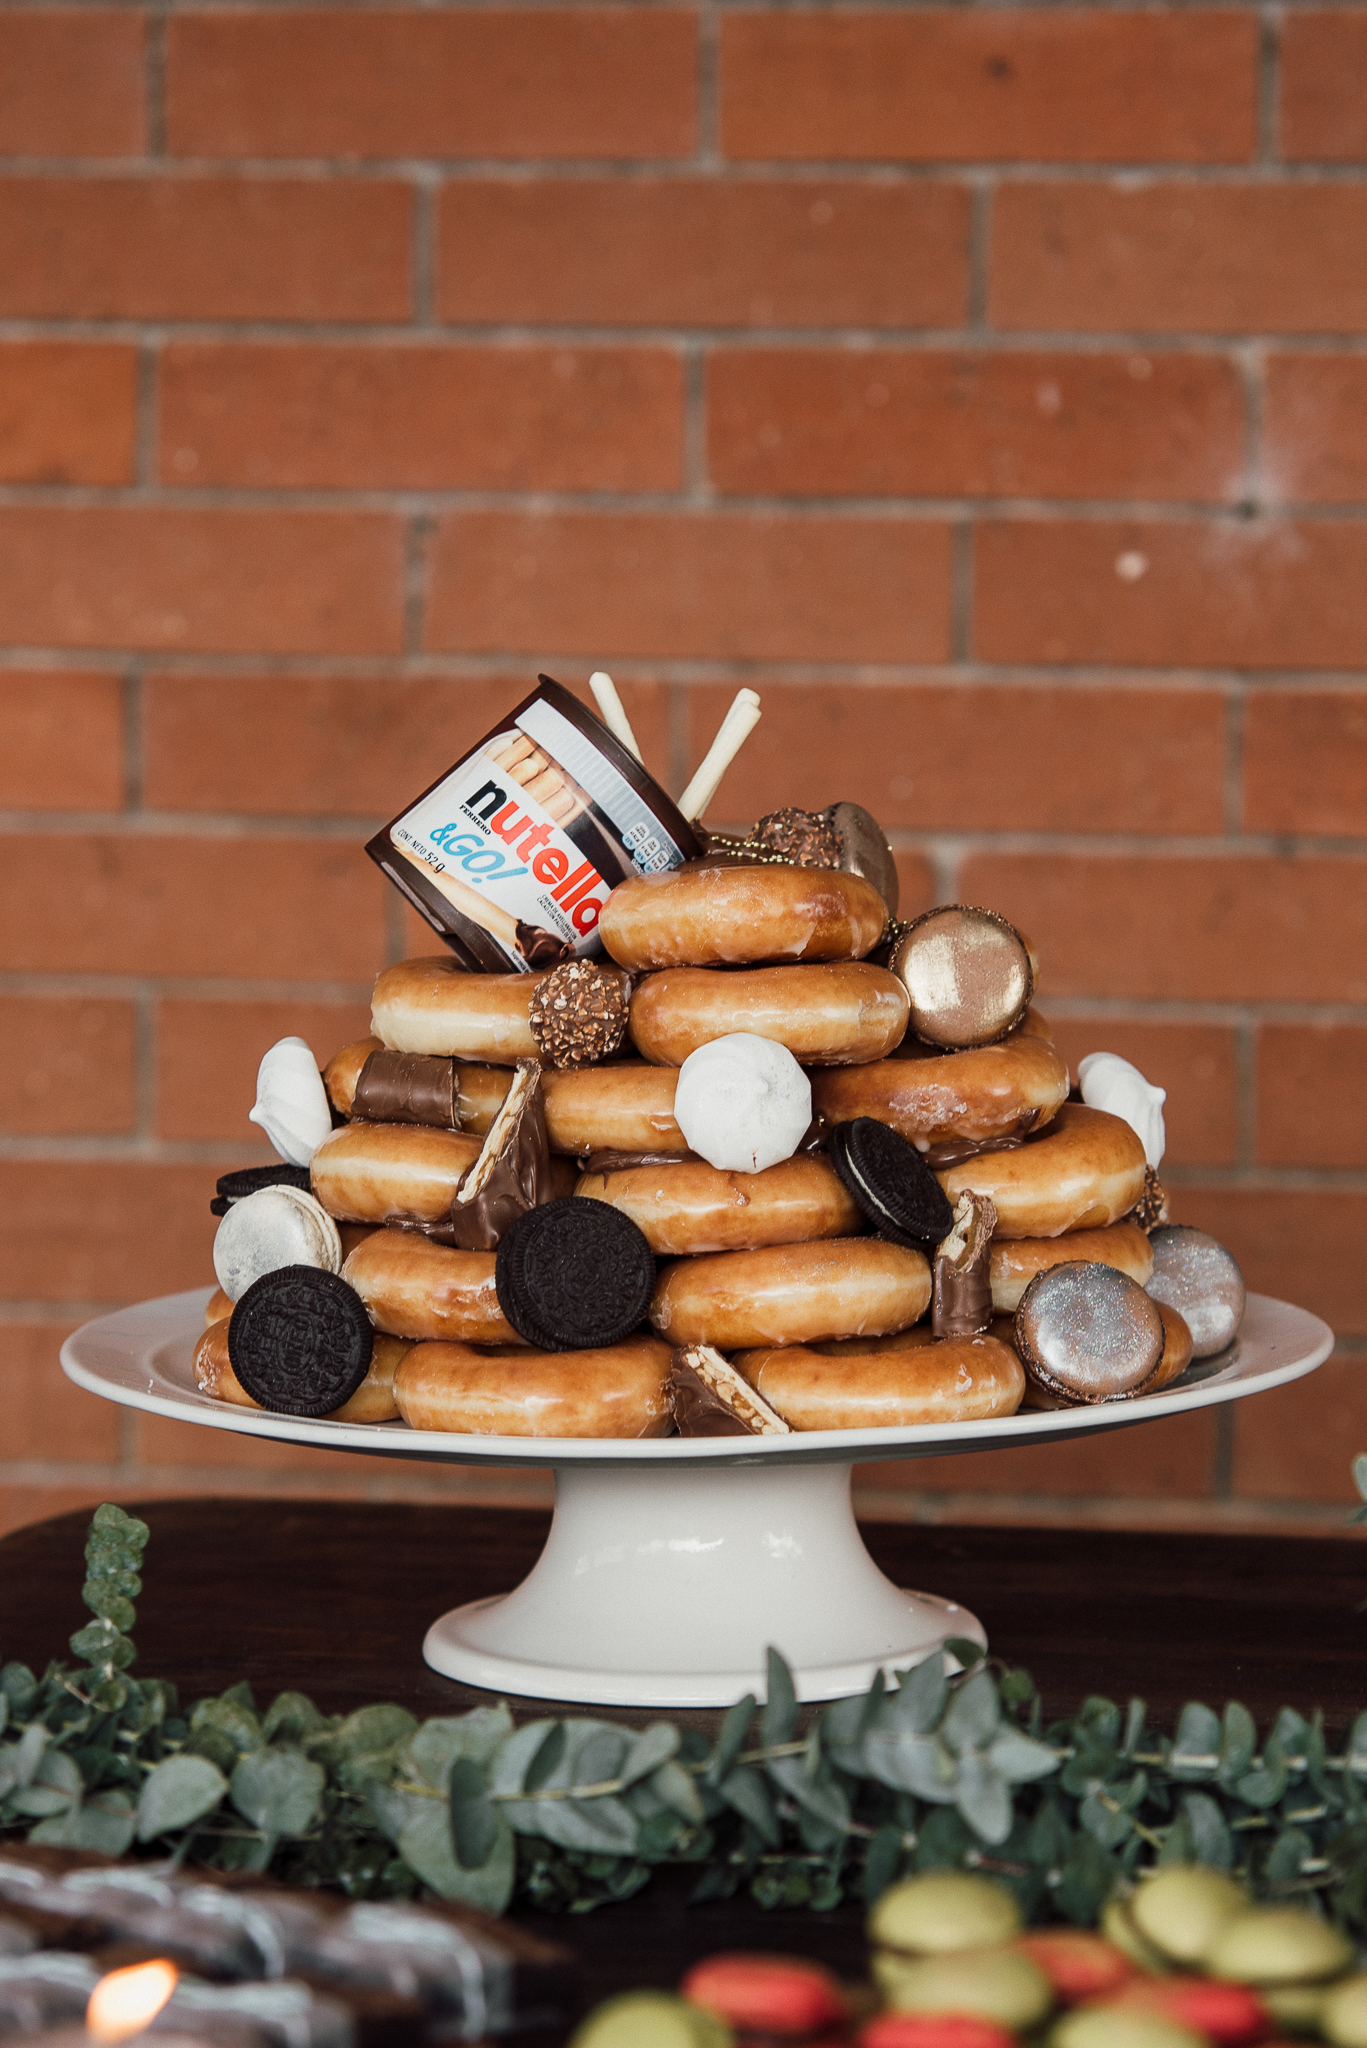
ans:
(277, 1226)
(1194, 1274)
(1088, 1333)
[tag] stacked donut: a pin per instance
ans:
(706, 1095)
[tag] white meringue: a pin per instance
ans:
(1110, 1083)
(291, 1101)
(275, 1227)
(743, 1102)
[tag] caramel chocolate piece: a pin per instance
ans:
(961, 1280)
(709, 1398)
(579, 1014)
(408, 1088)
(967, 973)
(1150, 1212)
(512, 1173)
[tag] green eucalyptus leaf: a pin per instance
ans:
(26, 1755)
(600, 1760)
(1238, 1743)
(107, 1823)
(984, 1798)
(370, 1731)
(819, 1795)
(19, 1685)
(227, 1720)
(1134, 1727)
(731, 1740)
(780, 1706)
(292, 1717)
(1211, 1841)
(882, 1862)
(427, 1848)
(177, 1793)
(745, 1791)
(1360, 1473)
(546, 1761)
(652, 1748)
(278, 1790)
(919, 1700)
(1019, 1758)
(678, 1789)
(966, 1650)
(476, 1823)
(1266, 1785)
(920, 1764)
(1086, 1881)
(54, 1786)
(974, 1714)
(1195, 1753)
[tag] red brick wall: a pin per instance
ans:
(987, 385)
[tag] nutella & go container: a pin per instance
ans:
(511, 855)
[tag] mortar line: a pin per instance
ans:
(424, 264)
(134, 742)
(1269, 84)
(154, 77)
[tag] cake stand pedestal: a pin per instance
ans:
(673, 1564)
(671, 1581)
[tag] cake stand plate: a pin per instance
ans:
(674, 1563)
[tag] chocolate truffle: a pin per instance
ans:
(1195, 1275)
(967, 973)
(807, 837)
(1088, 1333)
(579, 1014)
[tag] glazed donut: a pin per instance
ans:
(343, 1071)
(373, 1400)
(834, 1015)
(1084, 1172)
(380, 1173)
(433, 1005)
(218, 1307)
(727, 914)
(694, 1207)
(791, 1294)
(1016, 1260)
(626, 1106)
(618, 1391)
(943, 1099)
(415, 1288)
(887, 1385)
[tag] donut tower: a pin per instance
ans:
(731, 1151)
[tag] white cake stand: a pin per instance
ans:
(673, 1564)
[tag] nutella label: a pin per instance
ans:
(527, 837)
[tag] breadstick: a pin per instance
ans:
(611, 710)
(739, 722)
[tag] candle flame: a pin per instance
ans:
(126, 2001)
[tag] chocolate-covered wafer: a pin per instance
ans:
(961, 1277)
(574, 1275)
(300, 1341)
(1194, 1274)
(967, 974)
(408, 1088)
(709, 1398)
(890, 1181)
(1088, 1333)
(512, 1173)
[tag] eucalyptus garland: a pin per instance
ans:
(941, 1769)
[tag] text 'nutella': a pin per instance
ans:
(513, 853)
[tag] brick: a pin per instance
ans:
(1315, 429)
(535, 82)
(916, 885)
(1210, 259)
(1303, 1246)
(1285, 1441)
(1323, 62)
(1305, 761)
(61, 742)
(957, 86)
(46, 1417)
(107, 1230)
(1196, 1063)
(71, 82)
(203, 248)
(649, 252)
(296, 909)
(947, 758)
(1175, 592)
(1312, 1095)
(902, 423)
(208, 1054)
(1221, 929)
(423, 418)
(734, 586)
(67, 411)
(321, 745)
(69, 1062)
(187, 578)
(1173, 1458)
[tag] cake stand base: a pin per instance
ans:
(663, 1587)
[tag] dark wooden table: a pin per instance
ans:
(333, 1599)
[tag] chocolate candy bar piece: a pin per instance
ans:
(512, 1173)
(961, 1280)
(709, 1398)
(408, 1088)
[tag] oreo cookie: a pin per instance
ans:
(249, 1180)
(891, 1182)
(300, 1341)
(574, 1275)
